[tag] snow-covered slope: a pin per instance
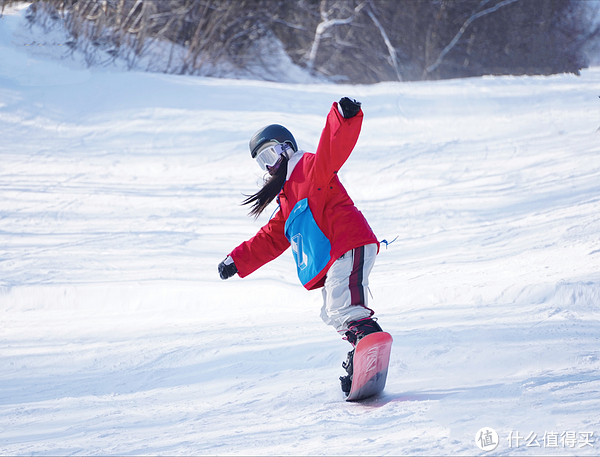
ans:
(120, 193)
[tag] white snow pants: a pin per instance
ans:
(346, 289)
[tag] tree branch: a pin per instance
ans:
(391, 50)
(325, 24)
(462, 31)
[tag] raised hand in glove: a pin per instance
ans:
(227, 268)
(349, 107)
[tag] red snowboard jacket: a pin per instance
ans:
(316, 216)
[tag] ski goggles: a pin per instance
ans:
(269, 156)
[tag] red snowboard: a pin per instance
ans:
(371, 360)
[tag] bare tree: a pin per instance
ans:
(359, 41)
(393, 59)
(327, 21)
(474, 16)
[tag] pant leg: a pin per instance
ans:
(345, 293)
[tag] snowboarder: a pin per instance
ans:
(332, 243)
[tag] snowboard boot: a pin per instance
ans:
(356, 331)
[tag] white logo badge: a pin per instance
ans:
(297, 248)
(487, 439)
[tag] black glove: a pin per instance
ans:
(349, 107)
(227, 268)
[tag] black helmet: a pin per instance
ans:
(273, 132)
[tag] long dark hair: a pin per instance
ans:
(271, 188)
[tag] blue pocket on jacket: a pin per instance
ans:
(310, 247)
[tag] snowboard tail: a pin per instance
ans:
(370, 365)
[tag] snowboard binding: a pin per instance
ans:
(348, 366)
(357, 330)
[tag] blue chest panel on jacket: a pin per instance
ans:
(310, 247)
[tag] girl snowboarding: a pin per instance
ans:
(332, 243)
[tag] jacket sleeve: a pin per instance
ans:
(268, 244)
(337, 141)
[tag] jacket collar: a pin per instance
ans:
(293, 162)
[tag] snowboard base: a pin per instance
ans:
(370, 366)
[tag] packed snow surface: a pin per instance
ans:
(120, 193)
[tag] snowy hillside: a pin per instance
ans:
(120, 192)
